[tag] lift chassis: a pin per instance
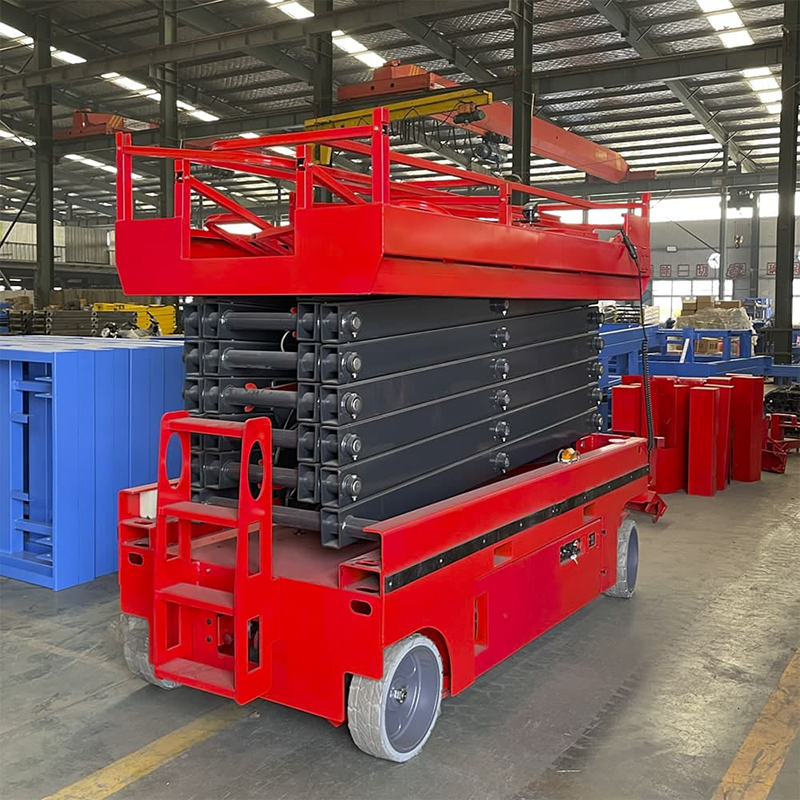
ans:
(246, 609)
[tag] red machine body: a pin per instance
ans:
(90, 123)
(243, 609)
(422, 237)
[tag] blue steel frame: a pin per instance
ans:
(79, 420)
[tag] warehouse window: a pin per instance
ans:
(668, 295)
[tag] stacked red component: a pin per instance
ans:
(777, 444)
(709, 430)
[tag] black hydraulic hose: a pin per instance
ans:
(648, 401)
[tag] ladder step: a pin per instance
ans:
(198, 676)
(208, 426)
(201, 512)
(203, 597)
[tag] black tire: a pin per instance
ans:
(627, 560)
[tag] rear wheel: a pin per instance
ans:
(135, 634)
(393, 717)
(627, 560)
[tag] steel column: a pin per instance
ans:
(168, 86)
(787, 183)
(43, 116)
(322, 76)
(723, 226)
(522, 100)
(755, 245)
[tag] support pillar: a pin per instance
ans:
(43, 123)
(522, 97)
(168, 86)
(723, 225)
(755, 245)
(323, 76)
(787, 182)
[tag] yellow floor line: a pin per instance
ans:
(758, 763)
(128, 770)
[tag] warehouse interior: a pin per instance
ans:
(201, 204)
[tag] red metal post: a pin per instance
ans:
(703, 430)
(380, 155)
(746, 421)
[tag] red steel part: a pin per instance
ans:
(384, 237)
(777, 445)
(703, 433)
(547, 140)
(746, 422)
(482, 574)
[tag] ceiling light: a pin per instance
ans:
(91, 162)
(109, 75)
(371, 59)
(74, 157)
(185, 106)
(9, 32)
(284, 151)
(736, 38)
(109, 168)
(128, 83)
(248, 135)
(69, 58)
(763, 84)
(348, 44)
(136, 176)
(296, 11)
(714, 5)
(756, 72)
(726, 21)
(774, 108)
(4, 134)
(204, 115)
(771, 97)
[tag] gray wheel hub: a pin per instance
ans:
(412, 699)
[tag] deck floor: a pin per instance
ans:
(649, 698)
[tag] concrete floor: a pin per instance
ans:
(648, 698)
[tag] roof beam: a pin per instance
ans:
(26, 22)
(242, 40)
(206, 21)
(639, 40)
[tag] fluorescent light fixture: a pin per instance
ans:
(4, 134)
(775, 108)
(348, 44)
(109, 75)
(296, 11)
(709, 6)
(763, 84)
(27, 41)
(736, 38)
(68, 58)
(729, 20)
(108, 168)
(128, 83)
(74, 157)
(152, 94)
(185, 106)
(204, 115)
(756, 72)
(771, 97)
(371, 59)
(240, 227)
(136, 176)
(9, 32)
(91, 162)
(284, 151)
(248, 135)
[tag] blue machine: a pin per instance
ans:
(79, 420)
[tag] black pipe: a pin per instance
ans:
(259, 359)
(259, 398)
(258, 321)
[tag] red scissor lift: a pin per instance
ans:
(227, 599)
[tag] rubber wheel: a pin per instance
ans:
(393, 717)
(627, 560)
(135, 634)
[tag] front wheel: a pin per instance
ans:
(627, 560)
(393, 717)
(135, 634)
